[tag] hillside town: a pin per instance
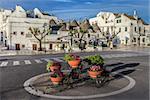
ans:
(22, 29)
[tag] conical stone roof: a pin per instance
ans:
(96, 27)
(74, 23)
(85, 25)
(52, 22)
(63, 27)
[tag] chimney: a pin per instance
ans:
(135, 14)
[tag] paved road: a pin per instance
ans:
(27, 60)
(17, 71)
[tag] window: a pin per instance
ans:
(23, 46)
(126, 29)
(135, 29)
(78, 35)
(14, 33)
(134, 39)
(2, 36)
(139, 29)
(54, 32)
(22, 33)
(88, 35)
(36, 16)
(119, 29)
(1, 39)
(119, 21)
(144, 30)
(50, 46)
(55, 29)
(143, 39)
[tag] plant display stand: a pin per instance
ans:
(79, 76)
(77, 83)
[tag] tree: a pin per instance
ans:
(76, 33)
(40, 35)
(110, 37)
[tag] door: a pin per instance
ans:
(51, 46)
(17, 46)
(34, 46)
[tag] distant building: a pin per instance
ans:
(14, 29)
(130, 30)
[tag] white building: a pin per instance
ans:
(130, 30)
(14, 29)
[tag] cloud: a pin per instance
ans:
(62, 0)
(88, 3)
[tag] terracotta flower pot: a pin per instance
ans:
(52, 68)
(93, 74)
(56, 80)
(74, 63)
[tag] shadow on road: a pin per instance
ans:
(119, 68)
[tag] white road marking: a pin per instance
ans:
(46, 59)
(16, 63)
(57, 59)
(3, 64)
(38, 61)
(27, 61)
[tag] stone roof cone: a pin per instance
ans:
(95, 27)
(85, 25)
(63, 27)
(52, 22)
(74, 23)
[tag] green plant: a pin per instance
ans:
(57, 74)
(51, 63)
(95, 60)
(70, 57)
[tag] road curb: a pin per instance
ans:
(30, 89)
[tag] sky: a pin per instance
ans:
(81, 9)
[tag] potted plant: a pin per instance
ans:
(72, 60)
(95, 60)
(56, 77)
(94, 71)
(51, 66)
